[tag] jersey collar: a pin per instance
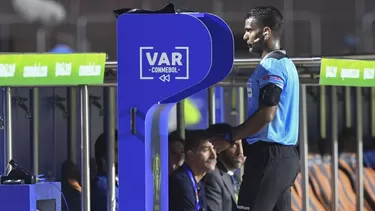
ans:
(280, 50)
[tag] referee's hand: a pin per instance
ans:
(220, 143)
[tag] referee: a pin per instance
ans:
(271, 128)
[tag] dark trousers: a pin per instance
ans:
(270, 170)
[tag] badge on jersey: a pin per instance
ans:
(266, 79)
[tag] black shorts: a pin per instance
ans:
(270, 170)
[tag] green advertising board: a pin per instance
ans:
(344, 72)
(52, 69)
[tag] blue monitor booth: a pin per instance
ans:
(34, 197)
(162, 59)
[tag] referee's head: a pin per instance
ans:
(263, 28)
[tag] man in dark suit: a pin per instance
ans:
(186, 191)
(221, 185)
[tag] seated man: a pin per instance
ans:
(176, 151)
(221, 185)
(70, 186)
(99, 184)
(186, 191)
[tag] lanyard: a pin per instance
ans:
(197, 201)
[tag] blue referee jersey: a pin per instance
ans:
(278, 69)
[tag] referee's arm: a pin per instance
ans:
(271, 85)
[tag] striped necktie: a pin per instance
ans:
(234, 184)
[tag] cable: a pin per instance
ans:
(41, 180)
(62, 194)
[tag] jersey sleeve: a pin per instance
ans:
(272, 71)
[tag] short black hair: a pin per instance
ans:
(193, 138)
(69, 170)
(268, 16)
(101, 145)
(175, 137)
(219, 128)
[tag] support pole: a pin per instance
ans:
(35, 129)
(110, 127)
(211, 106)
(335, 151)
(72, 123)
(85, 147)
(304, 149)
(8, 127)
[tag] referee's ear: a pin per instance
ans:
(267, 33)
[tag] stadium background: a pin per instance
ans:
(313, 28)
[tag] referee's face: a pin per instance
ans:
(253, 36)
